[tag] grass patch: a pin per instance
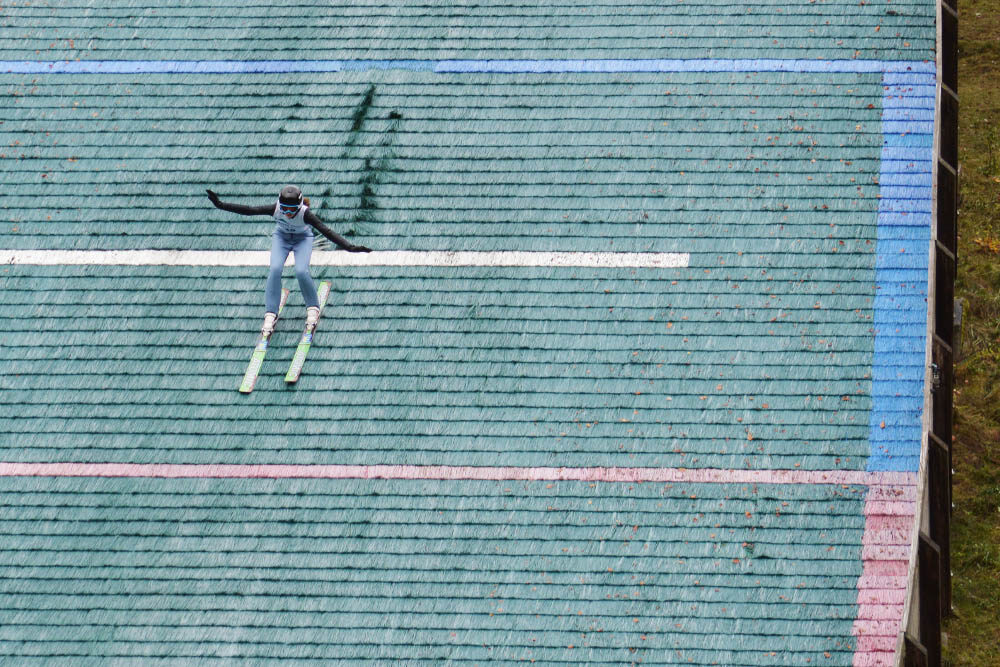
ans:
(993, 152)
(975, 628)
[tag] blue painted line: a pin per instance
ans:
(893, 451)
(903, 463)
(909, 207)
(904, 261)
(679, 65)
(902, 333)
(898, 344)
(894, 77)
(906, 139)
(909, 210)
(912, 102)
(901, 271)
(905, 279)
(903, 192)
(907, 233)
(898, 68)
(905, 179)
(920, 113)
(405, 65)
(909, 127)
(912, 374)
(901, 153)
(908, 302)
(888, 221)
(891, 439)
(899, 281)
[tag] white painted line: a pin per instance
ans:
(616, 260)
(896, 484)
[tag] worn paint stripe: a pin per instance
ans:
(885, 555)
(683, 65)
(462, 66)
(644, 260)
(904, 240)
(280, 471)
(904, 220)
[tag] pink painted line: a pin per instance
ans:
(879, 612)
(891, 491)
(896, 552)
(675, 475)
(880, 645)
(885, 568)
(876, 659)
(889, 530)
(873, 582)
(893, 597)
(880, 508)
(889, 522)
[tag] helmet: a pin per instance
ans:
(290, 196)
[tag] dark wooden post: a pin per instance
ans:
(929, 574)
(939, 487)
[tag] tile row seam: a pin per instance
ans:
(499, 66)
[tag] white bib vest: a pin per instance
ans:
(294, 225)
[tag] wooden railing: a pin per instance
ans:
(932, 585)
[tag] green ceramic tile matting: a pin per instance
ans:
(350, 571)
(766, 165)
(375, 30)
(759, 355)
(731, 367)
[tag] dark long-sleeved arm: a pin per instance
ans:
(310, 218)
(267, 209)
(332, 235)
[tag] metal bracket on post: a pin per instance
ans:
(914, 653)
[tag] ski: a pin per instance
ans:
(259, 350)
(295, 369)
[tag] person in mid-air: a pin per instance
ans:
(292, 233)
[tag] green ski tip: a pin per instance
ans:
(259, 351)
(299, 359)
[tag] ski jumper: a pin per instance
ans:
(291, 234)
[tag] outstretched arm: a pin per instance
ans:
(332, 235)
(239, 208)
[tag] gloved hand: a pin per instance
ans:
(214, 198)
(358, 248)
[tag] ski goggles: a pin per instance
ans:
(288, 208)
